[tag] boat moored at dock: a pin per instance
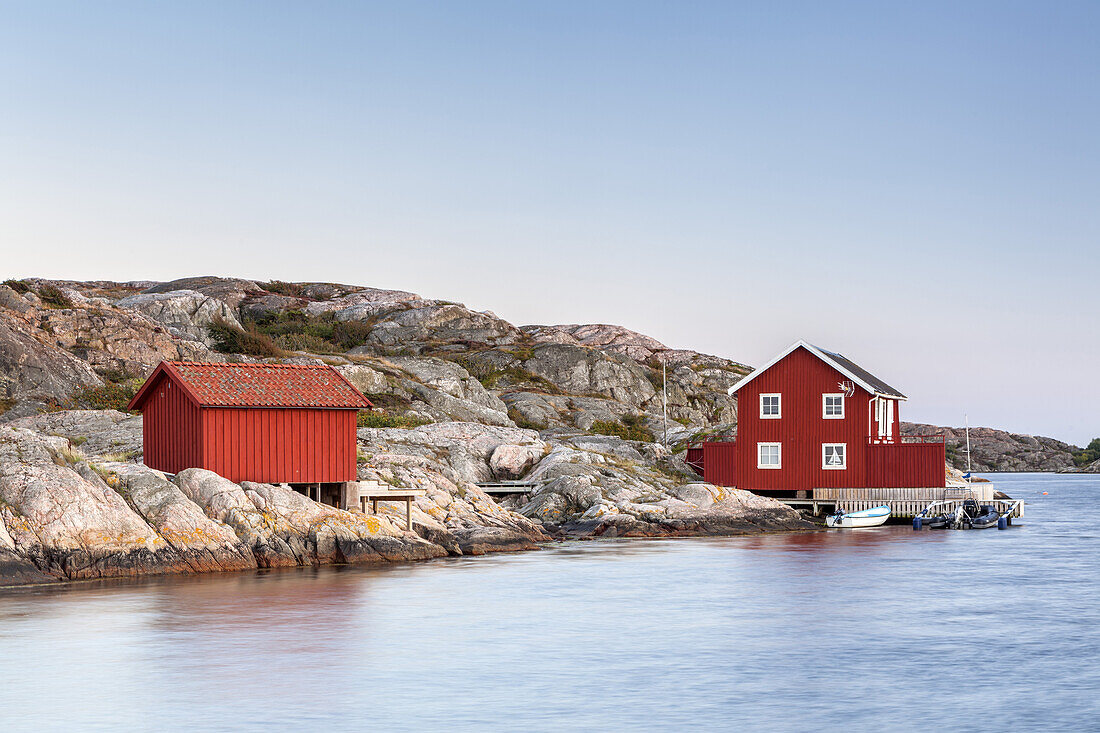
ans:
(872, 517)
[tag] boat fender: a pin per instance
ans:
(1002, 522)
(917, 522)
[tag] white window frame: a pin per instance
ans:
(778, 405)
(844, 455)
(825, 405)
(778, 453)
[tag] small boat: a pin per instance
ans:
(980, 517)
(872, 517)
(937, 521)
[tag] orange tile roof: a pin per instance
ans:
(266, 385)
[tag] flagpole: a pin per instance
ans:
(966, 419)
(664, 399)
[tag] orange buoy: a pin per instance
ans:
(1044, 493)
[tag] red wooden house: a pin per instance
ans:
(813, 419)
(270, 423)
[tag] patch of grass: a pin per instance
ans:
(630, 427)
(67, 456)
(522, 422)
(517, 375)
(18, 286)
(386, 420)
(229, 339)
(523, 353)
(52, 296)
(119, 456)
(6, 403)
(109, 477)
(305, 342)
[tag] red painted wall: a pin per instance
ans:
(720, 463)
(171, 429)
(274, 445)
(906, 465)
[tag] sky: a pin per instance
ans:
(916, 185)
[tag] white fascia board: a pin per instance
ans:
(816, 352)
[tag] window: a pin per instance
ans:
(769, 406)
(834, 455)
(769, 455)
(832, 406)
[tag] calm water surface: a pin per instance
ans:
(866, 629)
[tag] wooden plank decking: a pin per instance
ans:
(375, 492)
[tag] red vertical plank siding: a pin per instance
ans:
(904, 465)
(171, 428)
(720, 463)
(275, 445)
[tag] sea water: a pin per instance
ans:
(873, 629)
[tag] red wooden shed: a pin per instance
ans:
(813, 419)
(270, 423)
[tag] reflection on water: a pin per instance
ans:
(864, 628)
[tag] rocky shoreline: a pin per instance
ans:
(463, 397)
(70, 509)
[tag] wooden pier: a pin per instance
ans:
(375, 492)
(507, 488)
(907, 502)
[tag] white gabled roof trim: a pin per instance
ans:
(820, 355)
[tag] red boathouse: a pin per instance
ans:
(270, 423)
(813, 419)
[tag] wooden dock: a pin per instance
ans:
(506, 488)
(375, 492)
(907, 502)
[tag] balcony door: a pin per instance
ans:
(884, 419)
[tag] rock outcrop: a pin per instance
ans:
(105, 434)
(606, 486)
(447, 460)
(69, 523)
(998, 450)
(185, 313)
(36, 373)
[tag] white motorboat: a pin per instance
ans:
(872, 517)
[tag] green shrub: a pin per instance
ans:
(349, 334)
(629, 428)
(18, 286)
(52, 296)
(322, 333)
(294, 290)
(229, 339)
(385, 420)
(1089, 454)
(111, 396)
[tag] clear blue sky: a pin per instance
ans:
(914, 184)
